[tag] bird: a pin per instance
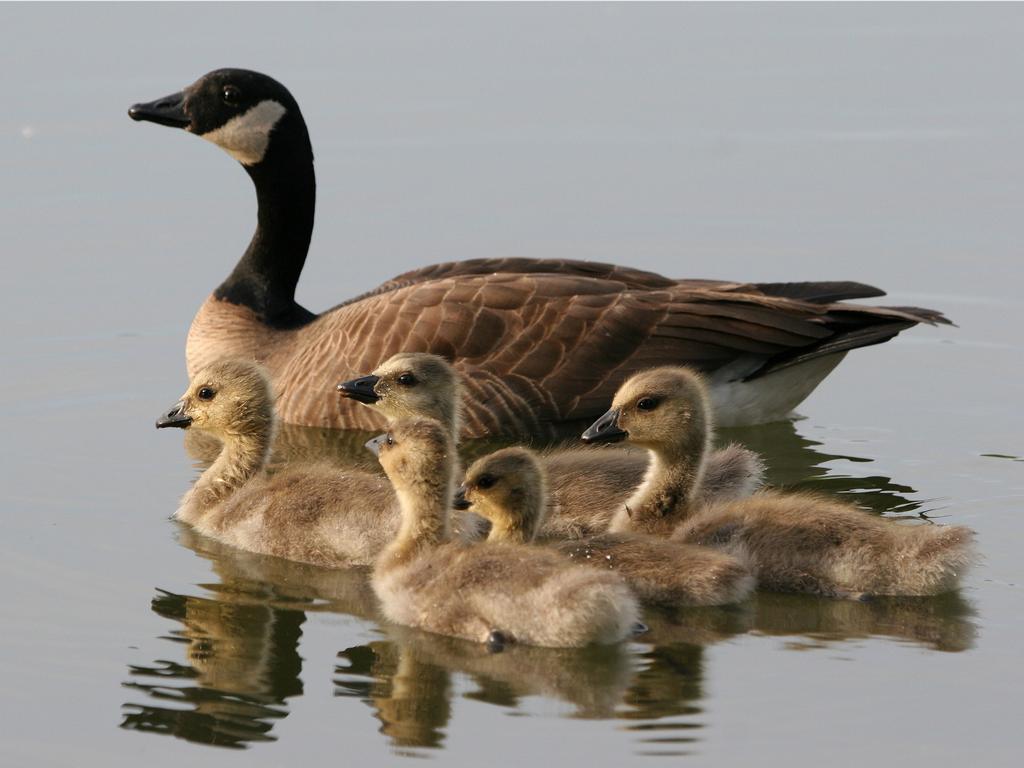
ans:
(492, 593)
(507, 488)
(542, 343)
(792, 542)
(584, 485)
(313, 513)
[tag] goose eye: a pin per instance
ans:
(206, 393)
(647, 403)
(231, 95)
(486, 481)
(407, 380)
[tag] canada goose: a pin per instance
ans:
(543, 344)
(508, 488)
(485, 592)
(797, 542)
(585, 486)
(316, 514)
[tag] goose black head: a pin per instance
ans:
(236, 109)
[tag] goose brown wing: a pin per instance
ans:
(818, 292)
(627, 276)
(538, 350)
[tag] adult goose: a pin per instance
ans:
(543, 344)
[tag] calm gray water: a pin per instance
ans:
(881, 144)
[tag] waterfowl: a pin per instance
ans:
(542, 344)
(486, 592)
(314, 513)
(795, 542)
(584, 486)
(507, 488)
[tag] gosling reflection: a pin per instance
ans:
(411, 697)
(241, 645)
(248, 577)
(407, 680)
(942, 623)
(243, 664)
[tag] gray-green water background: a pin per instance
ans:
(876, 143)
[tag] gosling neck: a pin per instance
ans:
(241, 458)
(265, 278)
(669, 491)
(517, 523)
(424, 507)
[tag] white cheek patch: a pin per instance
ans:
(247, 136)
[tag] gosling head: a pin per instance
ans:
(508, 487)
(228, 398)
(410, 385)
(236, 109)
(664, 409)
(416, 454)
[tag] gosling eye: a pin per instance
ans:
(407, 380)
(206, 393)
(391, 439)
(486, 481)
(647, 403)
(231, 95)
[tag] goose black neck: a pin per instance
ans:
(265, 278)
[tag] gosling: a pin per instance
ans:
(316, 513)
(487, 592)
(585, 487)
(508, 488)
(796, 542)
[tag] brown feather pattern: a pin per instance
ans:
(541, 344)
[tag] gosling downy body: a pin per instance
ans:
(585, 486)
(796, 542)
(317, 514)
(507, 488)
(493, 593)
(543, 343)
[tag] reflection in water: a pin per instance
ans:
(241, 645)
(243, 663)
(942, 623)
(410, 697)
(794, 462)
(407, 680)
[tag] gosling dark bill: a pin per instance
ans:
(360, 389)
(605, 429)
(174, 417)
(373, 444)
